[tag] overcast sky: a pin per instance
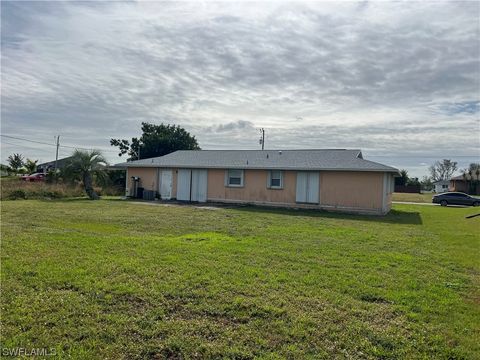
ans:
(399, 80)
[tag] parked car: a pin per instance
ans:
(33, 177)
(455, 198)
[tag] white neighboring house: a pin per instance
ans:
(441, 186)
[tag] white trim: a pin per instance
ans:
(127, 182)
(385, 189)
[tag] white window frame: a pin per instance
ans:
(270, 177)
(227, 178)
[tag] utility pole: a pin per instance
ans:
(56, 155)
(262, 139)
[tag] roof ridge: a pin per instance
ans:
(318, 159)
(325, 149)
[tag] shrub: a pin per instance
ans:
(111, 190)
(17, 194)
(14, 188)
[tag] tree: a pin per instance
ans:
(472, 177)
(30, 165)
(403, 179)
(156, 140)
(16, 162)
(5, 169)
(413, 182)
(443, 170)
(426, 183)
(87, 166)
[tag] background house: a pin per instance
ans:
(441, 186)
(50, 165)
(335, 179)
(462, 184)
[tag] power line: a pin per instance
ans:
(51, 144)
(23, 146)
(262, 142)
(33, 141)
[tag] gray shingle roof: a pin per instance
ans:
(323, 159)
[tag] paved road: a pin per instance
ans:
(427, 204)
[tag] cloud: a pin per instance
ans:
(233, 126)
(386, 77)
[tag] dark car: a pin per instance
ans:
(455, 198)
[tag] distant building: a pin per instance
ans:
(45, 167)
(441, 186)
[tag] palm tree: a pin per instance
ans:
(30, 165)
(85, 166)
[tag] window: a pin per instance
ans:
(234, 178)
(275, 179)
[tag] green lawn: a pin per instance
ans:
(114, 279)
(420, 198)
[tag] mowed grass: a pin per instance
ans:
(408, 197)
(118, 280)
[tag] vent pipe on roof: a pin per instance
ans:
(280, 152)
(267, 156)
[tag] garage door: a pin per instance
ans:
(192, 185)
(308, 186)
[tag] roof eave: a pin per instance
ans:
(126, 165)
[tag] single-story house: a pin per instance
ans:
(50, 165)
(462, 184)
(441, 186)
(330, 179)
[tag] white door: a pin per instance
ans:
(302, 179)
(166, 184)
(183, 184)
(199, 185)
(308, 186)
(313, 187)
